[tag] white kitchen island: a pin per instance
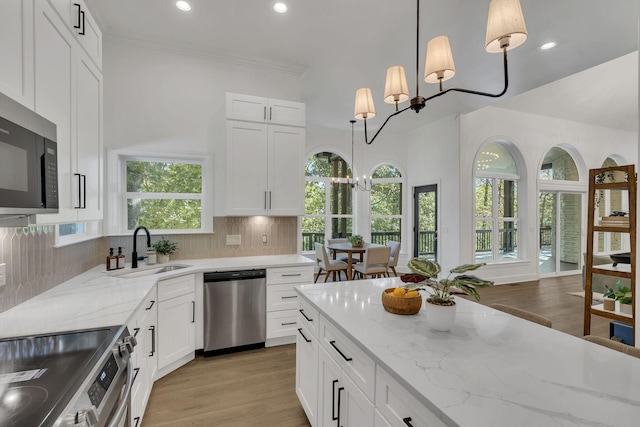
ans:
(491, 369)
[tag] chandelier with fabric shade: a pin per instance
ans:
(506, 30)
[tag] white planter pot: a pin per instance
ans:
(163, 259)
(626, 309)
(440, 317)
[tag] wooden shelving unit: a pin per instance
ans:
(612, 178)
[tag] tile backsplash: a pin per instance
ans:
(34, 265)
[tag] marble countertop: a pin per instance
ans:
(99, 298)
(491, 369)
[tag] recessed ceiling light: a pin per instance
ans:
(548, 46)
(280, 7)
(183, 5)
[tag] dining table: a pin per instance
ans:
(349, 249)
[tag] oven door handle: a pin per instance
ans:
(124, 402)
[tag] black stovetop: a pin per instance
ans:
(39, 375)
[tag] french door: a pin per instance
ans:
(425, 222)
(560, 228)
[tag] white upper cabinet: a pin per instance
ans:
(78, 20)
(16, 50)
(68, 92)
(265, 110)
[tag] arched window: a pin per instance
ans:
(496, 191)
(386, 204)
(328, 200)
(559, 165)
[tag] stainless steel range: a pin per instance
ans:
(77, 378)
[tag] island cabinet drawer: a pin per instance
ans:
(308, 316)
(282, 323)
(397, 405)
(281, 297)
(171, 288)
(359, 366)
(143, 311)
(297, 275)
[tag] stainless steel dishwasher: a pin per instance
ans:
(235, 315)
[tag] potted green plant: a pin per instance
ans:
(356, 241)
(609, 299)
(626, 306)
(441, 307)
(164, 248)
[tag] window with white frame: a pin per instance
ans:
(164, 194)
(386, 204)
(496, 205)
(328, 200)
(75, 232)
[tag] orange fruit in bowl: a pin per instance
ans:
(399, 292)
(411, 294)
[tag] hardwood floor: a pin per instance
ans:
(257, 388)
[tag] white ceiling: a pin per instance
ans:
(337, 46)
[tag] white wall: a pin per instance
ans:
(533, 135)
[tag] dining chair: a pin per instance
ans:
(395, 254)
(615, 345)
(328, 265)
(375, 262)
(342, 257)
(523, 314)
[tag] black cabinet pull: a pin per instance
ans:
(137, 370)
(270, 108)
(339, 391)
(79, 15)
(305, 338)
(292, 275)
(290, 297)
(79, 205)
(137, 419)
(333, 400)
(193, 312)
(84, 178)
(135, 331)
(153, 340)
(333, 344)
(265, 114)
(305, 316)
(83, 22)
(407, 421)
(288, 323)
(150, 305)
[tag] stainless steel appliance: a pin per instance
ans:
(234, 310)
(79, 378)
(28, 162)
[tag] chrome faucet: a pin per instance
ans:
(134, 255)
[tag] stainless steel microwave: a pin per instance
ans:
(28, 162)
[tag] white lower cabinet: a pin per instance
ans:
(144, 356)
(307, 372)
(176, 323)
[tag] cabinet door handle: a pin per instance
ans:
(269, 199)
(305, 338)
(193, 312)
(290, 297)
(137, 420)
(291, 275)
(288, 323)
(339, 392)
(79, 204)
(137, 370)
(270, 108)
(305, 316)
(333, 344)
(135, 331)
(265, 114)
(83, 22)
(265, 200)
(333, 400)
(150, 305)
(153, 340)
(84, 189)
(79, 15)
(407, 421)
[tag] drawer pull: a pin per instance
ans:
(292, 275)
(150, 305)
(135, 375)
(333, 400)
(305, 316)
(290, 296)
(137, 419)
(288, 323)
(305, 338)
(333, 344)
(152, 329)
(407, 421)
(135, 331)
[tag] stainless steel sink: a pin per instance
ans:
(132, 273)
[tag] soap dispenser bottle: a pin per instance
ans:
(120, 258)
(112, 261)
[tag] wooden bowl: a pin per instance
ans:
(400, 305)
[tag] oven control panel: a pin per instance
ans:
(102, 382)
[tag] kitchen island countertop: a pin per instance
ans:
(98, 298)
(491, 369)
